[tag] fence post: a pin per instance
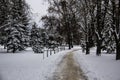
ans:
(50, 52)
(47, 52)
(43, 55)
(54, 51)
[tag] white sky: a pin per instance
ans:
(38, 6)
(39, 9)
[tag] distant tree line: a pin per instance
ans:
(86, 22)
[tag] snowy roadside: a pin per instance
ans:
(104, 67)
(28, 66)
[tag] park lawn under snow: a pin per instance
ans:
(103, 67)
(28, 66)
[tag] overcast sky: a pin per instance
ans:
(39, 9)
(38, 6)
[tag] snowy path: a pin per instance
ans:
(68, 69)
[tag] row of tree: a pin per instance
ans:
(89, 22)
(17, 31)
(85, 22)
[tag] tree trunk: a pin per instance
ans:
(69, 46)
(69, 41)
(117, 50)
(118, 28)
(14, 49)
(116, 22)
(99, 28)
(98, 52)
(87, 48)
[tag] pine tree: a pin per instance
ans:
(23, 11)
(4, 14)
(44, 38)
(16, 30)
(13, 40)
(36, 42)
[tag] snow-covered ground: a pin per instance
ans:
(27, 65)
(103, 67)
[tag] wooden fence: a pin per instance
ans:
(50, 51)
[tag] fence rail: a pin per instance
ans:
(50, 51)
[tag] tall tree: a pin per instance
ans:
(116, 25)
(65, 12)
(4, 14)
(36, 42)
(15, 26)
(99, 30)
(86, 22)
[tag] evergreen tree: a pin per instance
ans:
(15, 26)
(44, 38)
(13, 39)
(21, 9)
(36, 42)
(4, 14)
